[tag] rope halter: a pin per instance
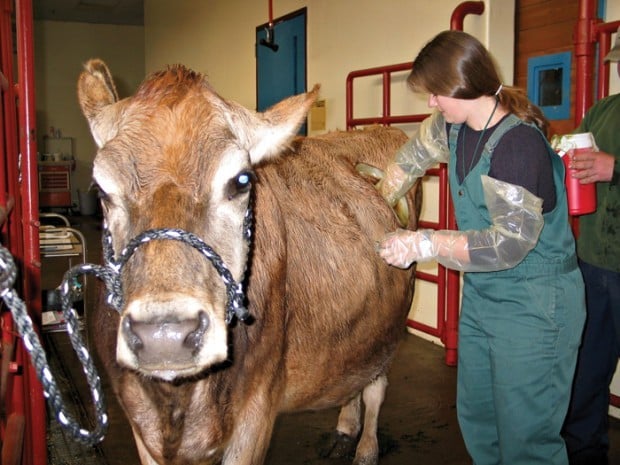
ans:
(110, 274)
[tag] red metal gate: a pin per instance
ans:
(447, 281)
(22, 424)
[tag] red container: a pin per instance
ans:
(581, 197)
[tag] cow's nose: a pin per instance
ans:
(165, 343)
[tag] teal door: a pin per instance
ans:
(281, 60)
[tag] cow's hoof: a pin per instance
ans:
(339, 445)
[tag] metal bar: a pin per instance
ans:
(584, 58)
(14, 392)
(448, 281)
(35, 448)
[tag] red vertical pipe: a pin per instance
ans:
(453, 280)
(584, 57)
(15, 395)
(9, 99)
(4, 189)
(270, 13)
(35, 449)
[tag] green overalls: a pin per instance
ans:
(519, 331)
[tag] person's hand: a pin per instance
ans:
(392, 183)
(403, 247)
(591, 166)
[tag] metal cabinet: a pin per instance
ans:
(55, 169)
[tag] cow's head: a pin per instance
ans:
(176, 155)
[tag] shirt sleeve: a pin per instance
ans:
(522, 158)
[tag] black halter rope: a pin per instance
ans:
(110, 274)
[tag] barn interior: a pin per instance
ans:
(223, 39)
(417, 425)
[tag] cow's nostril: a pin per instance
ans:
(194, 339)
(133, 340)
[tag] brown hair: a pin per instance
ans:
(455, 64)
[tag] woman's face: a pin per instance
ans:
(454, 110)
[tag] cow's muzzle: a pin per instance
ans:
(155, 342)
(113, 267)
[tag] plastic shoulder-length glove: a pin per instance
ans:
(427, 147)
(516, 216)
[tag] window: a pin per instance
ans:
(548, 84)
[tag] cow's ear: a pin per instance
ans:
(267, 134)
(97, 96)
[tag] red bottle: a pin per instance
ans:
(581, 197)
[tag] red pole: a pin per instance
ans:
(270, 13)
(585, 42)
(14, 242)
(453, 280)
(35, 449)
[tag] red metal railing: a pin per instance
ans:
(23, 433)
(447, 281)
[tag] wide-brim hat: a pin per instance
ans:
(614, 53)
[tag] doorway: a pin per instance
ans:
(281, 60)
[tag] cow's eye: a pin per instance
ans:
(101, 194)
(241, 184)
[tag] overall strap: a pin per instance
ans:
(504, 126)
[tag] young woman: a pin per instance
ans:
(523, 304)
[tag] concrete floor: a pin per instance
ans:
(417, 423)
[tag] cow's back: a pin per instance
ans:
(339, 308)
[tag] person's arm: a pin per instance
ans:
(427, 147)
(517, 221)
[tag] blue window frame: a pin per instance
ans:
(548, 84)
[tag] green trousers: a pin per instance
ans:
(518, 339)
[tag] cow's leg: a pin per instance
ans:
(250, 440)
(143, 453)
(342, 442)
(367, 452)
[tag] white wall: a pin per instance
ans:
(217, 38)
(60, 49)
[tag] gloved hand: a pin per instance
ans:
(427, 147)
(517, 221)
(394, 184)
(403, 247)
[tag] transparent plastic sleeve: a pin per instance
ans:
(427, 147)
(517, 221)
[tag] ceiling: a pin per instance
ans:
(125, 12)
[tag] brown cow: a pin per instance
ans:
(199, 385)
